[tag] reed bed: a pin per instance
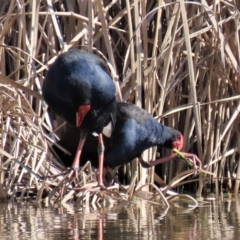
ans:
(178, 60)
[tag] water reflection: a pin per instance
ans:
(141, 220)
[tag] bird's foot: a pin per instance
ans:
(61, 188)
(193, 160)
(69, 172)
(90, 188)
(72, 175)
(99, 187)
(73, 170)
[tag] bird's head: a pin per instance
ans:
(81, 113)
(178, 142)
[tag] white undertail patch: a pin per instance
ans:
(107, 131)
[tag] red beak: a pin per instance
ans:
(81, 113)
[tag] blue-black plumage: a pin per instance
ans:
(79, 78)
(135, 131)
(78, 86)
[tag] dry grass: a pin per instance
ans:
(178, 61)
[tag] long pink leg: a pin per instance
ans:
(101, 159)
(76, 161)
(166, 159)
(100, 167)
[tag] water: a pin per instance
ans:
(142, 220)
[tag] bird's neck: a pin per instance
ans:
(158, 134)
